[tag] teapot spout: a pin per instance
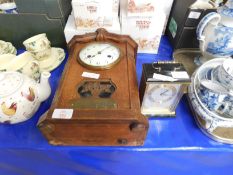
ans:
(44, 89)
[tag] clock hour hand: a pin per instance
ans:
(163, 93)
(100, 51)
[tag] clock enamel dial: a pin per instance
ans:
(105, 110)
(99, 55)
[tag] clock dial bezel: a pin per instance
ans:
(93, 67)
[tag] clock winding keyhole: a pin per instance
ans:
(98, 89)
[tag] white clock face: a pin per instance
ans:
(161, 93)
(160, 98)
(99, 55)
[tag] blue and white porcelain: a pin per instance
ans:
(215, 33)
(214, 74)
(213, 120)
(225, 74)
(229, 4)
(213, 96)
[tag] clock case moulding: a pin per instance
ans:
(96, 121)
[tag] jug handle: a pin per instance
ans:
(213, 18)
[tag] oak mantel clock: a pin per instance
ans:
(97, 102)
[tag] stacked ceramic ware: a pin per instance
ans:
(40, 48)
(23, 63)
(145, 22)
(211, 98)
(7, 48)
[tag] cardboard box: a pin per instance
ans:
(116, 5)
(140, 8)
(145, 30)
(160, 6)
(183, 20)
(93, 13)
(71, 30)
(34, 17)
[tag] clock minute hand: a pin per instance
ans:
(100, 51)
(104, 48)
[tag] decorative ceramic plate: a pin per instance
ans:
(51, 63)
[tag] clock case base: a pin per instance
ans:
(119, 125)
(91, 133)
(164, 115)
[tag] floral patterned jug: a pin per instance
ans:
(215, 33)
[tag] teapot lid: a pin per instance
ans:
(10, 82)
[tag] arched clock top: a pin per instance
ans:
(102, 35)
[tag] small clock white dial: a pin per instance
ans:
(99, 55)
(161, 98)
(162, 93)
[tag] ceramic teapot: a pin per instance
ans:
(215, 33)
(20, 96)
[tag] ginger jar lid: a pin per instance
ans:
(10, 82)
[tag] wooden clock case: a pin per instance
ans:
(114, 120)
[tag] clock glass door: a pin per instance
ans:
(99, 55)
(160, 98)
